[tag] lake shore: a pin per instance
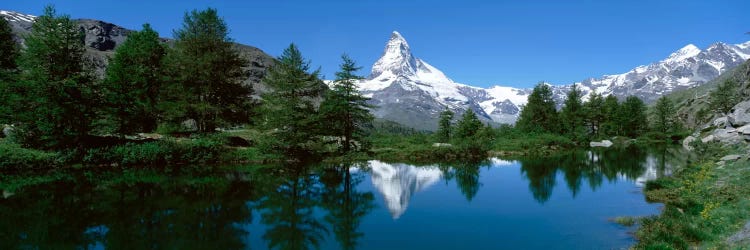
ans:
(706, 203)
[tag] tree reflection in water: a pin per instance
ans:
(299, 206)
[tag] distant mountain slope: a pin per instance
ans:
(102, 38)
(692, 103)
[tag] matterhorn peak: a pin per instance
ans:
(397, 59)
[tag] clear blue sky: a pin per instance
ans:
(480, 43)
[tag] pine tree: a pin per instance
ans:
(468, 126)
(610, 124)
(132, 83)
(288, 109)
(664, 119)
(207, 72)
(345, 110)
(632, 116)
(8, 71)
(595, 113)
(539, 114)
(724, 97)
(59, 88)
(445, 127)
(571, 115)
(8, 47)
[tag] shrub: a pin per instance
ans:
(12, 156)
(159, 153)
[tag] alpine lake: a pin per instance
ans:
(566, 201)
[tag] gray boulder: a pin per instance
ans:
(721, 122)
(728, 135)
(730, 158)
(686, 142)
(708, 139)
(604, 143)
(7, 130)
(190, 125)
(740, 115)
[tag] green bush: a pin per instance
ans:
(159, 153)
(13, 156)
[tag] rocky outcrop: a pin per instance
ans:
(740, 115)
(687, 141)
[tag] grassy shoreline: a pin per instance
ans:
(705, 203)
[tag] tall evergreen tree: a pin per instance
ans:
(8, 70)
(539, 114)
(468, 126)
(664, 119)
(725, 96)
(289, 111)
(345, 110)
(132, 83)
(445, 127)
(632, 116)
(62, 98)
(572, 115)
(207, 73)
(594, 113)
(610, 124)
(8, 47)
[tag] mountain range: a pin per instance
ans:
(408, 90)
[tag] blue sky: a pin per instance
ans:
(480, 43)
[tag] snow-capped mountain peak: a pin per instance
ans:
(13, 16)
(396, 60)
(688, 51)
(410, 91)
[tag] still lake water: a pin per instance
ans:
(561, 202)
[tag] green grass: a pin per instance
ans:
(625, 220)
(13, 156)
(704, 204)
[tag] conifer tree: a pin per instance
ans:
(632, 116)
(594, 113)
(664, 119)
(572, 114)
(345, 111)
(445, 127)
(468, 126)
(724, 97)
(539, 114)
(8, 70)
(610, 124)
(132, 83)
(207, 74)
(8, 47)
(57, 83)
(289, 112)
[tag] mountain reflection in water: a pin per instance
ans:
(334, 206)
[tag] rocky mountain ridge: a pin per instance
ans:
(102, 38)
(410, 91)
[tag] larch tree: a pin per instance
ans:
(594, 113)
(289, 111)
(539, 114)
(345, 111)
(572, 114)
(445, 127)
(664, 118)
(724, 97)
(57, 83)
(9, 51)
(207, 74)
(132, 83)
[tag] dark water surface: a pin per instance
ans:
(561, 202)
